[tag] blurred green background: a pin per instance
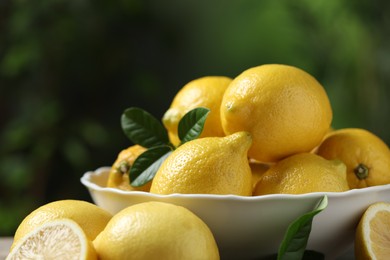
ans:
(68, 69)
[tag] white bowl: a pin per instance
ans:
(253, 227)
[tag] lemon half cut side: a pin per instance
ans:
(372, 239)
(57, 239)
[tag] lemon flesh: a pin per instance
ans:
(372, 239)
(82, 212)
(57, 239)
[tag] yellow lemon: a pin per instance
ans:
(202, 92)
(303, 173)
(210, 165)
(372, 238)
(156, 230)
(285, 109)
(366, 156)
(90, 217)
(258, 169)
(56, 239)
(119, 173)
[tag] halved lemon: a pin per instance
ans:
(372, 239)
(57, 239)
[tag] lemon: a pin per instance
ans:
(366, 156)
(303, 173)
(119, 173)
(258, 169)
(210, 165)
(286, 110)
(90, 217)
(372, 238)
(156, 230)
(56, 239)
(202, 92)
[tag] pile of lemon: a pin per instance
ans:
(268, 131)
(75, 229)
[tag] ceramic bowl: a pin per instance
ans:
(253, 227)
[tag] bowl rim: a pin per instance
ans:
(86, 181)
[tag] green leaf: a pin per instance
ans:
(192, 123)
(147, 164)
(143, 129)
(295, 240)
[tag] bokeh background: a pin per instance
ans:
(68, 69)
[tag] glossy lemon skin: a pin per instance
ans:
(156, 230)
(202, 92)
(210, 165)
(360, 150)
(303, 173)
(285, 109)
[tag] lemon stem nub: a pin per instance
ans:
(361, 171)
(124, 167)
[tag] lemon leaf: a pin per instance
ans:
(295, 240)
(143, 129)
(192, 123)
(147, 164)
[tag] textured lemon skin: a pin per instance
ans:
(285, 109)
(210, 165)
(202, 92)
(156, 230)
(372, 233)
(258, 169)
(121, 180)
(303, 173)
(356, 146)
(90, 217)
